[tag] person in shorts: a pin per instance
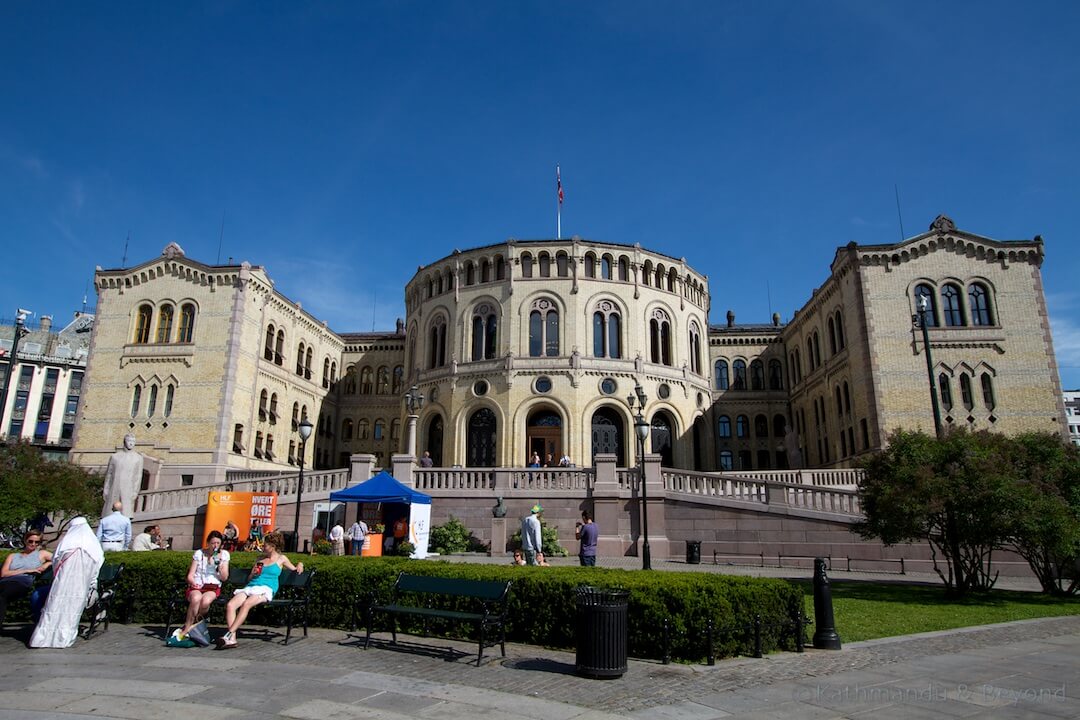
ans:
(209, 568)
(261, 586)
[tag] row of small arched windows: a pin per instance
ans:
(374, 382)
(152, 396)
(274, 351)
(957, 308)
(734, 377)
(742, 427)
(166, 320)
(363, 428)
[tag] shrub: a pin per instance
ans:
(404, 549)
(549, 536)
(322, 547)
(454, 537)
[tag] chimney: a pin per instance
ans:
(730, 318)
(46, 322)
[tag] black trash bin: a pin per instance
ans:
(602, 632)
(693, 552)
(290, 540)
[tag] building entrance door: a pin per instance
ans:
(543, 436)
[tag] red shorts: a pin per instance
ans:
(209, 587)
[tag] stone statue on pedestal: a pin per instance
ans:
(123, 477)
(499, 510)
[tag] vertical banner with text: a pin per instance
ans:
(243, 508)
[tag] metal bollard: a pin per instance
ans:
(710, 657)
(757, 637)
(800, 631)
(825, 636)
(666, 658)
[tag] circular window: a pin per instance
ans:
(664, 391)
(608, 386)
(480, 387)
(543, 384)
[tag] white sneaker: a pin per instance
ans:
(228, 640)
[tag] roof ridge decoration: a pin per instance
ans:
(173, 250)
(943, 224)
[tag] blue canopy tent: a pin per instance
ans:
(383, 488)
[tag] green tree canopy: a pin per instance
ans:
(31, 484)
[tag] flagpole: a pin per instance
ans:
(558, 200)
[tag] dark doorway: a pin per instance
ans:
(543, 436)
(434, 444)
(660, 441)
(481, 439)
(607, 435)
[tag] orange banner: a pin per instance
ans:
(243, 508)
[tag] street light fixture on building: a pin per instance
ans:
(921, 320)
(305, 432)
(13, 360)
(641, 430)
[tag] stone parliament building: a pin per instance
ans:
(527, 347)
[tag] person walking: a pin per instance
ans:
(587, 533)
(114, 531)
(531, 538)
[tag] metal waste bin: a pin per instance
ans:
(693, 552)
(602, 632)
(290, 540)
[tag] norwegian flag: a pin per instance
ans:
(558, 183)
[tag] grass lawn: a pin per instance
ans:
(864, 611)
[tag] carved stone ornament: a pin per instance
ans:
(543, 305)
(660, 315)
(943, 224)
(605, 306)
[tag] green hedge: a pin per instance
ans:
(542, 605)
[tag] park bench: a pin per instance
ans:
(417, 595)
(97, 612)
(293, 595)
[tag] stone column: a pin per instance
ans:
(361, 468)
(410, 434)
(615, 533)
(658, 542)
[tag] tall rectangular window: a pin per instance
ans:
(45, 407)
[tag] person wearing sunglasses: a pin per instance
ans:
(21, 569)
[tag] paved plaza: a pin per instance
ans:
(1027, 669)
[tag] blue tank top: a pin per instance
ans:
(269, 577)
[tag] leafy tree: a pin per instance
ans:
(954, 493)
(1047, 509)
(31, 484)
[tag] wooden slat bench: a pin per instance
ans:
(294, 594)
(413, 595)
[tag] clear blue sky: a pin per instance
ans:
(346, 144)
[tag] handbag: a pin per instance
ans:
(173, 641)
(200, 633)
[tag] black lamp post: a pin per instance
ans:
(920, 320)
(305, 432)
(13, 360)
(641, 430)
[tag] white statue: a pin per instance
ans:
(123, 477)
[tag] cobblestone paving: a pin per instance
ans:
(328, 666)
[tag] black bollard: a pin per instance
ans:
(710, 655)
(825, 636)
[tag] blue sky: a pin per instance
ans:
(346, 144)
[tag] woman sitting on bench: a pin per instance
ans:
(209, 568)
(260, 588)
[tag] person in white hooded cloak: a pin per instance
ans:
(76, 562)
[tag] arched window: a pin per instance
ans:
(136, 398)
(543, 329)
(526, 265)
(366, 381)
(470, 273)
(590, 265)
(382, 381)
(170, 395)
(798, 366)
(624, 268)
(660, 338)
(273, 409)
(742, 426)
(268, 349)
(739, 367)
(484, 332)
(832, 336)
(841, 342)
(950, 306)
(279, 348)
(142, 324)
(924, 293)
(776, 375)
(979, 303)
(945, 390)
(480, 440)
(399, 379)
(695, 349)
(437, 343)
(485, 270)
(362, 429)
(810, 353)
(607, 330)
(723, 426)
(264, 398)
(500, 269)
(672, 278)
(300, 359)
(269, 446)
(726, 462)
(605, 267)
(779, 426)
(761, 426)
(379, 425)
(545, 265)
(847, 399)
(966, 395)
(817, 350)
(562, 264)
(721, 374)
(757, 375)
(151, 405)
(395, 429)
(164, 326)
(839, 402)
(295, 416)
(187, 323)
(326, 372)
(350, 381)
(658, 278)
(987, 391)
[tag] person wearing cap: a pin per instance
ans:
(531, 539)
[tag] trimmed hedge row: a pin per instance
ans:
(542, 605)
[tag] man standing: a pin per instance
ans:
(531, 538)
(426, 461)
(587, 533)
(358, 532)
(114, 532)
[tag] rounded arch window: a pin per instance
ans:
(542, 384)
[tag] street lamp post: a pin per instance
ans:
(414, 401)
(13, 360)
(641, 430)
(305, 432)
(920, 320)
